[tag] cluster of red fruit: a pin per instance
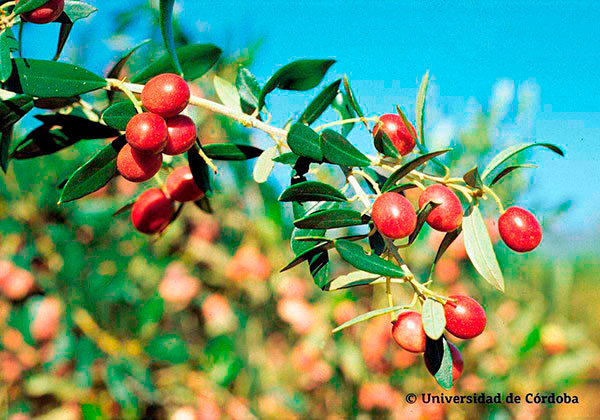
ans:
(395, 217)
(46, 13)
(150, 134)
(465, 318)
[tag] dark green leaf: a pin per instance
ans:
(63, 35)
(401, 187)
(77, 127)
(204, 205)
(369, 315)
(118, 115)
(473, 179)
(116, 382)
(91, 412)
(377, 243)
(421, 218)
(513, 150)
(311, 191)
(354, 279)
(409, 128)
(330, 219)
(299, 247)
(95, 173)
(480, 250)
(352, 99)
(320, 103)
(248, 89)
(5, 140)
(344, 108)
(125, 207)
(308, 254)
(354, 255)
(406, 168)
(319, 266)
(199, 169)
(167, 348)
(75, 10)
(13, 109)
(25, 6)
(52, 79)
(166, 28)
(287, 158)
(337, 149)
(231, 151)
(420, 106)
(42, 141)
(508, 170)
(434, 319)
(196, 60)
(8, 44)
(304, 141)
(437, 353)
(446, 242)
(384, 145)
(298, 75)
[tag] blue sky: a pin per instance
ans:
(468, 46)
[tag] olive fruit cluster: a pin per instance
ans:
(159, 130)
(154, 208)
(465, 318)
(46, 13)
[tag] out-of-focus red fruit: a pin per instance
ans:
(147, 133)
(137, 167)
(237, 409)
(465, 318)
(519, 229)
(248, 262)
(206, 228)
(292, 287)
(447, 270)
(180, 185)
(472, 383)
(492, 228)
(47, 318)
(393, 126)
(403, 359)
(19, 416)
(46, 13)
(18, 284)
(408, 332)
(553, 339)
(218, 314)
(457, 362)
(447, 216)
(374, 343)
(152, 211)
(483, 342)
(298, 313)
(393, 215)
(125, 187)
(166, 95)
(304, 356)
(182, 135)
(344, 312)
(10, 368)
(376, 395)
(178, 286)
(12, 339)
(208, 408)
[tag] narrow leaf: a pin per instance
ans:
(420, 106)
(248, 89)
(421, 219)
(369, 315)
(320, 103)
(513, 150)
(8, 44)
(311, 191)
(298, 75)
(480, 250)
(199, 169)
(118, 115)
(337, 149)
(473, 179)
(25, 6)
(63, 35)
(166, 28)
(406, 168)
(231, 151)
(439, 361)
(308, 254)
(434, 320)
(94, 174)
(384, 145)
(354, 255)
(356, 278)
(115, 71)
(508, 170)
(227, 93)
(13, 109)
(204, 205)
(196, 60)
(352, 99)
(304, 141)
(345, 110)
(287, 158)
(330, 219)
(264, 165)
(5, 140)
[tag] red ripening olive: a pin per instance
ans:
(181, 187)
(457, 362)
(46, 13)
(166, 95)
(152, 211)
(147, 133)
(182, 134)
(393, 215)
(408, 332)
(448, 215)
(465, 318)
(519, 229)
(393, 126)
(137, 167)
